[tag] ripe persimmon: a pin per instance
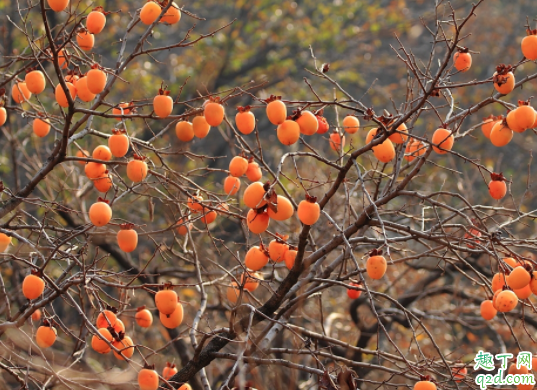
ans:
(497, 186)
(150, 12)
(529, 45)
(85, 40)
(102, 152)
(506, 301)
(251, 281)
(504, 79)
(5, 240)
(184, 226)
(385, 151)
(498, 281)
(336, 141)
(122, 109)
(33, 286)
(424, 385)
(414, 149)
(288, 132)
(253, 173)
(63, 58)
(174, 319)
(442, 140)
(276, 110)
(125, 346)
(488, 312)
(94, 170)
(208, 217)
(459, 373)
(245, 120)
(257, 221)
(100, 213)
(143, 317)
(523, 293)
(20, 92)
(83, 154)
(137, 169)
(148, 378)
(513, 123)
(238, 166)
(284, 211)
(100, 342)
(169, 371)
(3, 116)
(106, 319)
(351, 124)
(184, 130)
(277, 248)
(513, 370)
(40, 127)
(162, 103)
(488, 124)
(96, 20)
(72, 78)
(60, 96)
(309, 210)
(96, 79)
(472, 235)
(289, 258)
(518, 278)
(194, 203)
(45, 336)
(323, 124)
(166, 301)
(172, 15)
(525, 115)
(256, 258)
(307, 122)
(82, 90)
(58, 5)
(253, 195)
(462, 60)
(376, 265)
(127, 238)
(35, 81)
(214, 112)
(233, 292)
(501, 134)
(200, 126)
(398, 138)
(36, 315)
(118, 143)
(103, 183)
(354, 294)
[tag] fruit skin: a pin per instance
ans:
(214, 113)
(238, 166)
(33, 286)
(256, 258)
(233, 293)
(3, 116)
(45, 336)
(442, 138)
(174, 319)
(308, 212)
(95, 22)
(507, 83)
(35, 82)
(100, 213)
(5, 240)
(162, 104)
(308, 123)
(497, 189)
(20, 92)
(277, 251)
(498, 281)
(169, 371)
(58, 5)
(144, 318)
(336, 141)
(277, 112)
(533, 283)
(462, 61)
(122, 109)
(184, 227)
(184, 131)
(385, 151)
(61, 98)
(126, 346)
(96, 81)
(40, 127)
(106, 319)
(118, 145)
(424, 385)
(398, 138)
(251, 283)
(194, 204)
(354, 294)
(488, 312)
(209, 217)
(127, 240)
(232, 184)
(253, 195)
(323, 124)
(245, 122)
(513, 123)
(517, 371)
(148, 379)
(99, 342)
(376, 267)
(285, 209)
(137, 170)
(525, 116)
(529, 47)
(253, 173)
(82, 90)
(150, 12)
(288, 132)
(518, 278)
(85, 40)
(414, 149)
(257, 222)
(166, 301)
(289, 258)
(351, 124)
(172, 15)
(501, 134)
(82, 154)
(102, 152)
(200, 126)
(524, 292)
(506, 301)
(93, 170)
(36, 315)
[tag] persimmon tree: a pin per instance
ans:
(129, 256)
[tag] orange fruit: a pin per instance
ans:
(442, 141)
(102, 152)
(231, 185)
(143, 317)
(398, 138)
(96, 21)
(118, 143)
(276, 112)
(85, 40)
(83, 154)
(61, 98)
(354, 294)
(488, 124)
(289, 258)
(285, 209)
(96, 80)
(100, 342)
(288, 132)
(501, 134)
(122, 109)
(172, 15)
(45, 336)
(251, 283)
(209, 217)
(462, 61)
(424, 385)
(257, 222)
(253, 173)
(125, 346)
(5, 240)
(497, 186)
(20, 92)
(3, 116)
(150, 12)
(83, 91)
(127, 239)
(148, 379)
(162, 103)
(200, 126)
(504, 81)
(498, 281)
(256, 258)
(184, 131)
(351, 124)
(336, 141)
(512, 122)
(174, 319)
(195, 203)
(33, 286)
(166, 301)
(525, 116)
(414, 149)
(488, 312)
(253, 195)
(307, 122)
(385, 151)
(36, 315)
(376, 266)
(100, 213)
(184, 226)
(309, 211)
(518, 278)
(529, 46)
(169, 371)
(35, 81)
(214, 113)
(233, 293)
(524, 292)
(323, 124)
(137, 170)
(245, 120)
(277, 250)
(58, 5)
(41, 127)
(94, 170)
(105, 319)
(506, 301)
(238, 166)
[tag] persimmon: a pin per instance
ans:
(36, 315)
(100, 213)
(238, 166)
(166, 301)
(35, 81)
(506, 301)
(284, 211)
(125, 346)
(103, 183)
(253, 195)
(253, 173)
(488, 312)
(323, 124)
(354, 294)
(33, 286)
(45, 336)
(3, 116)
(376, 265)
(256, 258)
(85, 40)
(194, 203)
(184, 226)
(223, 208)
(150, 12)
(276, 111)
(488, 124)
(351, 124)
(472, 235)
(533, 284)
(525, 115)
(209, 217)
(498, 281)
(186, 386)
(162, 103)
(172, 15)
(459, 373)
(233, 293)
(288, 132)
(529, 45)
(200, 126)
(257, 221)
(307, 122)
(184, 130)
(5, 240)
(501, 134)
(504, 79)
(513, 370)
(336, 141)
(137, 169)
(495, 299)
(414, 149)
(143, 317)
(63, 59)
(214, 113)
(96, 20)
(277, 249)
(309, 210)
(20, 92)
(40, 127)
(122, 109)
(385, 151)
(462, 60)
(497, 186)
(245, 120)
(82, 90)
(148, 378)
(169, 371)
(83, 154)
(518, 278)
(100, 342)
(523, 293)
(106, 319)
(513, 123)
(72, 78)
(127, 238)
(251, 283)
(174, 319)
(58, 5)
(289, 258)
(102, 152)
(96, 79)
(424, 385)
(118, 143)
(94, 170)
(60, 96)
(442, 140)
(398, 138)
